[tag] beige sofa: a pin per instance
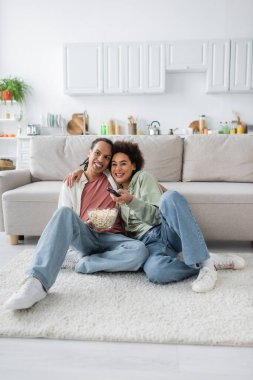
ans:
(214, 172)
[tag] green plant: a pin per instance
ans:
(17, 87)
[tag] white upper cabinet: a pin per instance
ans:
(114, 62)
(154, 67)
(241, 66)
(230, 66)
(218, 66)
(124, 68)
(83, 69)
(134, 69)
(114, 68)
(186, 56)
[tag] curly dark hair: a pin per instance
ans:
(133, 152)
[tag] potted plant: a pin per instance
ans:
(14, 89)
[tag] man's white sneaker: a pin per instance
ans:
(29, 293)
(205, 281)
(227, 261)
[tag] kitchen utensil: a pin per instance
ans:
(33, 129)
(76, 124)
(154, 128)
(194, 125)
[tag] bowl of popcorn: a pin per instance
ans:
(103, 219)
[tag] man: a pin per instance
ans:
(111, 251)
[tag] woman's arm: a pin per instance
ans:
(163, 188)
(73, 177)
(144, 199)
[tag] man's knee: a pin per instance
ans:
(64, 212)
(141, 250)
(137, 252)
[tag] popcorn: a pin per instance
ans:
(103, 219)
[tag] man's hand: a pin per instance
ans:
(73, 177)
(124, 198)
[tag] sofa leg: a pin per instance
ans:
(13, 239)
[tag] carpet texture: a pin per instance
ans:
(126, 307)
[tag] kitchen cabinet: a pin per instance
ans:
(113, 64)
(230, 66)
(134, 66)
(127, 68)
(241, 66)
(83, 69)
(154, 67)
(186, 56)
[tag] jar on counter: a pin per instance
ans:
(202, 123)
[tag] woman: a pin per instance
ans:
(165, 224)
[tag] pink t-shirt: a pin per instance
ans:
(95, 196)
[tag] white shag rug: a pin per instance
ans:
(126, 307)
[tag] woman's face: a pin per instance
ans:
(122, 169)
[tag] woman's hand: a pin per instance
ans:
(163, 188)
(124, 198)
(73, 177)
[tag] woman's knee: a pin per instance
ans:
(172, 199)
(155, 272)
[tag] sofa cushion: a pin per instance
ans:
(224, 211)
(214, 192)
(218, 158)
(52, 157)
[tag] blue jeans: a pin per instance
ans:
(110, 252)
(177, 232)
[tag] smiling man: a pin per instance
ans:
(111, 251)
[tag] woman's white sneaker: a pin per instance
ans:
(30, 292)
(227, 261)
(205, 281)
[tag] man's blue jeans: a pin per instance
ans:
(110, 252)
(177, 232)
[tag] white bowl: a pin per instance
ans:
(103, 218)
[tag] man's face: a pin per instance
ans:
(100, 157)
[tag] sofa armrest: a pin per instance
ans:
(9, 180)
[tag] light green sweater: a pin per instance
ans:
(142, 212)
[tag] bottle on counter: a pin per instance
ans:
(202, 123)
(103, 129)
(111, 127)
(117, 129)
(226, 128)
(233, 127)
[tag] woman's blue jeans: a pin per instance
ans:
(101, 251)
(177, 232)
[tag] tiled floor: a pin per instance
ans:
(25, 359)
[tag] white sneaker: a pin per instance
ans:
(205, 281)
(228, 261)
(29, 293)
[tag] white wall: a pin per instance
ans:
(32, 33)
